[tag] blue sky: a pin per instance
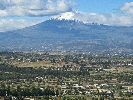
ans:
(100, 6)
(16, 14)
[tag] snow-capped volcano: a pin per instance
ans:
(69, 35)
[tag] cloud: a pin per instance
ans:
(12, 24)
(61, 9)
(118, 19)
(10, 9)
(33, 7)
(128, 7)
(107, 19)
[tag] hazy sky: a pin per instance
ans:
(16, 14)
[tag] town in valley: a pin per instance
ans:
(65, 76)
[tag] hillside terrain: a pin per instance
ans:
(69, 35)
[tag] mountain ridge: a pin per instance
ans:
(68, 35)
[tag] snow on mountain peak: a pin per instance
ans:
(74, 16)
(66, 15)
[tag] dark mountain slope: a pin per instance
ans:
(68, 35)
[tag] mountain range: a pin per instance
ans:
(69, 35)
